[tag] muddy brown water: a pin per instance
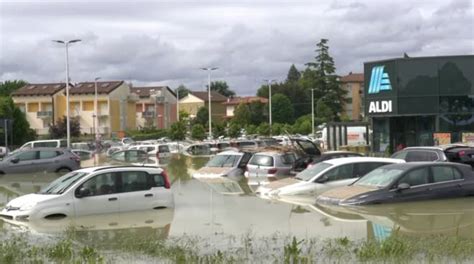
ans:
(222, 207)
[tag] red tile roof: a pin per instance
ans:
(89, 87)
(353, 77)
(246, 100)
(215, 96)
(46, 89)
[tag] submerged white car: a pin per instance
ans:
(324, 176)
(97, 190)
(224, 164)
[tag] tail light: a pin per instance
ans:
(272, 171)
(462, 153)
(75, 158)
(167, 180)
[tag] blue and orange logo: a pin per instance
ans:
(379, 80)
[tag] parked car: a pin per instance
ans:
(452, 152)
(160, 151)
(83, 154)
(406, 182)
(298, 167)
(97, 190)
(307, 152)
(325, 176)
(129, 156)
(40, 159)
(4, 152)
(225, 164)
(51, 143)
(268, 166)
(199, 149)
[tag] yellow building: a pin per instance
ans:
(115, 106)
(195, 100)
(354, 85)
(44, 104)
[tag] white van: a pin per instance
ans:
(52, 143)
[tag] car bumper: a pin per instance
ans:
(14, 215)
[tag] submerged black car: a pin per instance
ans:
(405, 182)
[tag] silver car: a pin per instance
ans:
(39, 160)
(270, 165)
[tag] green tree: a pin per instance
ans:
(277, 129)
(303, 125)
(218, 129)
(178, 131)
(293, 74)
(21, 130)
(222, 88)
(183, 115)
(7, 87)
(59, 130)
(242, 115)
(198, 132)
(320, 75)
(258, 112)
(182, 91)
(282, 110)
(323, 113)
(234, 130)
(202, 116)
(251, 129)
(264, 129)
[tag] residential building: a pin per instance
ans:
(232, 103)
(115, 106)
(156, 106)
(195, 100)
(43, 104)
(353, 83)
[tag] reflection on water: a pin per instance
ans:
(222, 207)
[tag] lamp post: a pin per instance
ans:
(269, 82)
(68, 126)
(96, 112)
(312, 111)
(177, 105)
(209, 69)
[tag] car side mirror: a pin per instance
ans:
(322, 179)
(15, 160)
(82, 192)
(403, 186)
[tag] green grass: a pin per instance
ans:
(72, 248)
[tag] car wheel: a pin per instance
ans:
(63, 169)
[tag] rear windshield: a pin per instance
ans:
(163, 148)
(261, 160)
(224, 161)
(310, 172)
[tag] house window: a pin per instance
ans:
(88, 106)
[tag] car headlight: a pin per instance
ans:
(27, 207)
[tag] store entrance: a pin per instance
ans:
(406, 131)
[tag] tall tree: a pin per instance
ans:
(178, 131)
(258, 112)
(202, 116)
(182, 91)
(320, 75)
(222, 88)
(242, 115)
(7, 87)
(198, 132)
(293, 74)
(282, 110)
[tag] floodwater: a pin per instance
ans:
(221, 208)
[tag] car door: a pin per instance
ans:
(25, 162)
(136, 192)
(420, 186)
(102, 197)
(339, 176)
(447, 182)
(48, 160)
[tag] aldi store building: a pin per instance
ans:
(421, 101)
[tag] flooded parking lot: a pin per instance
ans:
(222, 213)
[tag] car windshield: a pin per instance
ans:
(261, 160)
(63, 183)
(379, 178)
(310, 172)
(224, 161)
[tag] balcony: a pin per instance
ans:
(44, 114)
(148, 114)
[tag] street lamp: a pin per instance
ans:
(269, 82)
(95, 124)
(209, 69)
(68, 126)
(177, 104)
(312, 111)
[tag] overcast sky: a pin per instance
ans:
(166, 42)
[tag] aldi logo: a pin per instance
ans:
(379, 80)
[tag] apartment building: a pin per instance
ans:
(232, 103)
(195, 100)
(155, 107)
(353, 83)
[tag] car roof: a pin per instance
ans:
(230, 152)
(348, 160)
(410, 165)
(117, 168)
(339, 152)
(41, 148)
(273, 153)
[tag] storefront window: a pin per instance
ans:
(381, 135)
